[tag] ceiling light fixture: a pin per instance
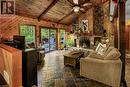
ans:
(76, 8)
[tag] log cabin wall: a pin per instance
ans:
(9, 26)
(89, 16)
(107, 24)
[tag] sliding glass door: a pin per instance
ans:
(49, 39)
(53, 40)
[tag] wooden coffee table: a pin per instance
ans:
(72, 58)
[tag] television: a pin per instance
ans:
(19, 41)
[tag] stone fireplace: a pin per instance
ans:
(84, 41)
(88, 41)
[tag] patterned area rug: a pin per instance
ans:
(53, 73)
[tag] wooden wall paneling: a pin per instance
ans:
(31, 8)
(65, 16)
(89, 16)
(10, 26)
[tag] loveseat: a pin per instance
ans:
(103, 66)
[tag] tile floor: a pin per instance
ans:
(53, 73)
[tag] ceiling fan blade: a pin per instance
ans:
(87, 4)
(75, 2)
(82, 9)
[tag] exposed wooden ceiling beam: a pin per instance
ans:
(85, 1)
(48, 8)
(71, 2)
(65, 16)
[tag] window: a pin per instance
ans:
(29, 32)
(70, 40)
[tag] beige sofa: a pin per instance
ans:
(102, 68)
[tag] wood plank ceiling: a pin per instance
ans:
(59, 11)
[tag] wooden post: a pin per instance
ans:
(122, 46)
(115, 33)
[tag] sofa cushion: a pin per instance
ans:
(113, 55)
(109, 48)
(94, 54)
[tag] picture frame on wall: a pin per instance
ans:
(84, 25)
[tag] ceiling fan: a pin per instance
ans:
(79, 5)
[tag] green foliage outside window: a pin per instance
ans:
(44, 33)
(70, 40)
(29, 32)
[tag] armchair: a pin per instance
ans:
(107, 71)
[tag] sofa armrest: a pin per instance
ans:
(105, 71)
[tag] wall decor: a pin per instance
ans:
(84, 25)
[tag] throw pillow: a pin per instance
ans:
(114, 54)
(109, 48)
(100, 49)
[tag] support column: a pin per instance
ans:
(58, 37)
(37, 35)
(115, 33)
(122, 46)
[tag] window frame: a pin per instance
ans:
(64, 35)
(35, 38)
